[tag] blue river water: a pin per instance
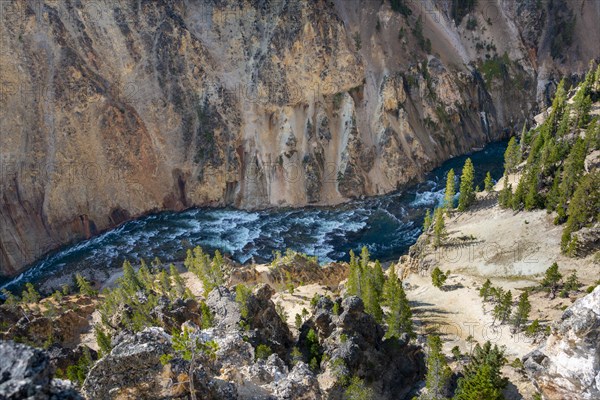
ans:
(388, 225)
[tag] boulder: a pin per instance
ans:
(26, 373)
(567, 366)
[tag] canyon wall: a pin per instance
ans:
(112, 109)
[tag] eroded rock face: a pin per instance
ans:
(26, 373)
(567, 366)
(113, 111)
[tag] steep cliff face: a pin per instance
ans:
(111, 110)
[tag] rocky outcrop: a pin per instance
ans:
(26, 373)
(354, 345)
(111, 112)
(264, 325)
(567, 366)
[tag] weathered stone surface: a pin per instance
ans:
(567, 366)
(26, 373)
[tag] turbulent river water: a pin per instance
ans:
(387, 225)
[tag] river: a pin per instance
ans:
(388, 225)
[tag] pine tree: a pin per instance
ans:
(583, 209)
(399, 316)
(439, 228)
(450, 190)
(427, 221)
(178, 282)
(521, 315)
(354, 277)
(505, 195)
(379, 278)
(131, 283)
(552, 279)
(84, 286)
(438, 278)
(30, 295)
(502, 310)
(467, 194)
(438, 372)
(512, 155)
(103, 340)
(532, 198)
(488, 183)
(519, 195)
(482, 378)
(371, 297)
(485, 290)
(572, 284)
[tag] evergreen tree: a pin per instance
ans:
(103, 340)
(512, 155)
(521, 315)
(357, 390)
(30, 295)
(131, 283)
(438, 278)
(485, 290)
(439, 228)
(84, 286)
(450, 190)
(438, 373)
(379, 278)
(505, 195)
(552, 279)
(467, 194)
(519, 195)
(573, 170)
(502, 310)
(399, 316)
(532, 198)
(572, 284)
(488, 183)
(482, 378)
(427, 221)
(178, 282)
(583, 209)
(354, 277)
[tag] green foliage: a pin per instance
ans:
(438, 373)
(438, 278)
(488, 183)
(84, 286)
(242, 293)
(533, 329)
(572, 283)
(439, 227)
(336, 308)
(495, 68)
(30, 295)
(315, 353)
(427, 221)
(521, 314)
(456, 354)
(467, 194)
(263, 352)
(357, 390)
(296, 355)
(505, 195)
(289, 283)
(486, 290)
(450, 190)
(583, 210)
(189, 347)
(77, 373)
(399, 316)
(503, 308)
(512, 156)
(210, 271)
(103, 340)
(482, 377)
(552, 279)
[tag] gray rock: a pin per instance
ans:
(26, 373)
(567, 366)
